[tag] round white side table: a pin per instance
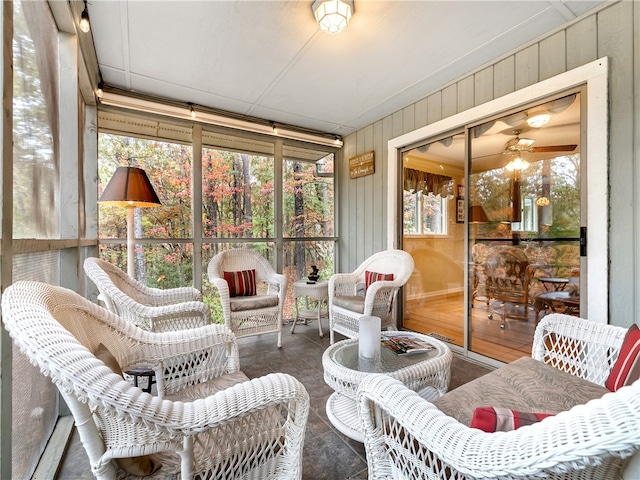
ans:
(318, 291)
(427, 373)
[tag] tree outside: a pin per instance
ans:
(237, 211)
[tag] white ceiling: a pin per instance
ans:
(269, 59)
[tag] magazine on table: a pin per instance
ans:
(404, 343)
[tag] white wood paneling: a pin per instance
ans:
(582, 42)
(527, 67)
(483, 83)
(435, 107)
(504, 80)
(615, 37)
(553, 58)
(610, 33)
(466, 90)
(448, 103)
(422, 109)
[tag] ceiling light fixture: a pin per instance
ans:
(538, 118)
(517, 164)
(85, 26)
(543, 201)
(100, 89)
(192, 112)
(275, 129)
(333, 15)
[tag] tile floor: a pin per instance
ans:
(327, 453)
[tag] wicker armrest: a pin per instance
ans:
(343, 284)
(161, 297)
(408, 437)
(165, 318)
(192, 417)
(380, 292)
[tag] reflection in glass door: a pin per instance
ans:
(524, 225)
(433, 233)
(518, 203)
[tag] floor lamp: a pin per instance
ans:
(130, 187)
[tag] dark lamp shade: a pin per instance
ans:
(478, 215)
(130, 186)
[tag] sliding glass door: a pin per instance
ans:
(433, 232)
(492, 217)
(524, 224)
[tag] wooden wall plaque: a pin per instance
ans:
(362, 165)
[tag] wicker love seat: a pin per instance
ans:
(591, 434)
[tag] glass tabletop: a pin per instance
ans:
(389, 361)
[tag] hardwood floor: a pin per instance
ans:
(445, 316)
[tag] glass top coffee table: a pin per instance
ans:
(427, 373)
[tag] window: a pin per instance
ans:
(240, 203)
(237, 194)
(425, 214)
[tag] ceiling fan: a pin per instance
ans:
(526, 145)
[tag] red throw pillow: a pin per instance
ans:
(626, 370)
(370, 277)
(242, 283)
(498, 419)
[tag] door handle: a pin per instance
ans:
(583, 241)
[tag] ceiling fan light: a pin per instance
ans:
(332, 15)
(543, 201)
(517, 163)
(538, 119)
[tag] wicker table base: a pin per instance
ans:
(427, 373)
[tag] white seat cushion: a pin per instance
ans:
(256, 302)
(352, 303)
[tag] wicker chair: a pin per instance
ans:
(348, 300)
(253, 315)
(154, 309)
(409, 437)
(208, 420)
(508, 276)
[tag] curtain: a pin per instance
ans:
(417, 180)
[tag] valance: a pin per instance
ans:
(425, 182)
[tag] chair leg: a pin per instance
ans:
(280, 338)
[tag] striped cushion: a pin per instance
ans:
(626, 370)
(370, 277)
(242, 283)
(498, 419)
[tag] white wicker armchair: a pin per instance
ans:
(208, 420)
(408, 437)
(158, 310)
(348, 301)
(247, 316)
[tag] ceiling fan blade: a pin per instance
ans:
(554, 148)
(490, 155)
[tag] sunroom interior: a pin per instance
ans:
(245, 117)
